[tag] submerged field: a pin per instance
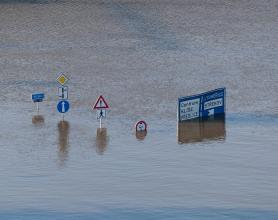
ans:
(141, 55)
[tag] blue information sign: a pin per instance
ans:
(63, 106)
(202, 105)
(37, 97)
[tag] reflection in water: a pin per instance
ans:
(63, 129)
(140, 135)
(101, 140)
(38, 120)
(212, 128)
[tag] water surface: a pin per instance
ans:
(141, 56)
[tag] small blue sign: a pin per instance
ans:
(202, 105)
(63, 106)
(38, 97)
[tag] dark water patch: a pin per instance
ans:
(252, 118)
(139, 214)
(28, 1)
(151, 32)
(32, 83)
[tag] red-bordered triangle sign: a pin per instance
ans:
(101, 103)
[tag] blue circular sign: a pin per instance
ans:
(63, 106)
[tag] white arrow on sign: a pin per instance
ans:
(63, 107)
(211, 112)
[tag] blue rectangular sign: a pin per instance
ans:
(202, 105)
(38, 97)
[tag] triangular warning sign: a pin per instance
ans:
(101, 103)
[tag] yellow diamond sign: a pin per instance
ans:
(62, 79)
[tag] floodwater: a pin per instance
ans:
(141, 56)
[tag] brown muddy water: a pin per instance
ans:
(141, 55)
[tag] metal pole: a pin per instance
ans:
(100, 124)
(63, 116)
(38, 107)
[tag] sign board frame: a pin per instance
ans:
(202, 105)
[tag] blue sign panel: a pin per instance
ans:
(63, 106)
(37, 97)
(202, 105)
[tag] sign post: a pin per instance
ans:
(203, 105)
(101, 114)
(100, 124)
(37, 98)
(100, 106)
(63, 105)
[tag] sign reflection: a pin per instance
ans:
(199, 130)
(101, 140)
(63, 144)
(140, 135)
(38, 120)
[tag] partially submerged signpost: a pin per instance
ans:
(37, 98)
(202, 117)
(63, 105)
(101, 139)
(202, 105)
(100, 106)
(141, 130)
